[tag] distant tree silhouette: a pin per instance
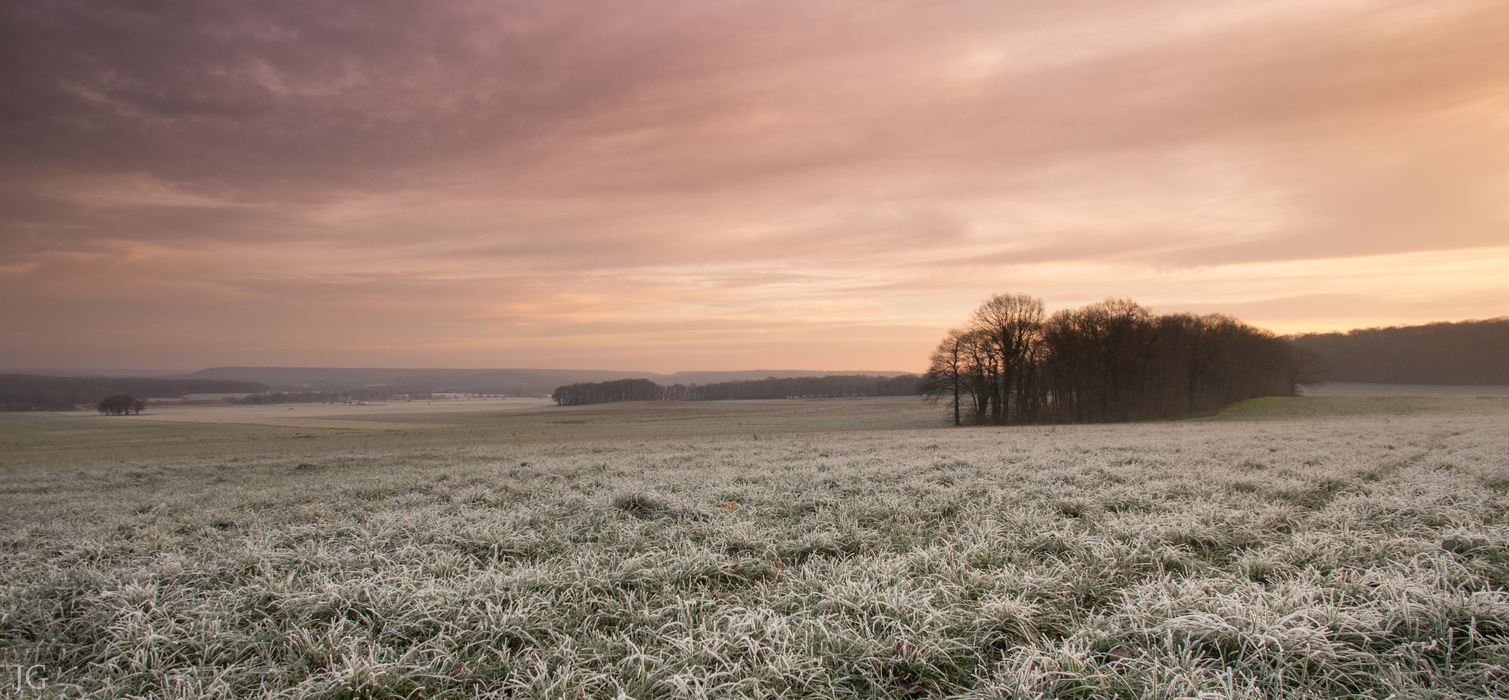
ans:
(121, 404)
(946, 372)
(1010, 328)
(30, 392)
(1111, 361)
(605, 392)
(1466, 352)
(769, 388)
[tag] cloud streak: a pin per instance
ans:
(683, 185)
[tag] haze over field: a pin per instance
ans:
(673, 185)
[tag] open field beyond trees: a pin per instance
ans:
(1305, 547)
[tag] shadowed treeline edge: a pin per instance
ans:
(1464, 353)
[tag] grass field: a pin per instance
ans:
(762, 549)
(1361, 389)
(213, 433)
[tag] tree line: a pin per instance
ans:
(31, 392)
(1114, 361)
(837, 385)
(1464, 353)
(606, 392)
(281, 397)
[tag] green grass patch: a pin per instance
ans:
(1318, 407)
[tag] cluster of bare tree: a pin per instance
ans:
(1468, 352)
(121, 405)
(1108, 362)
(768, 388)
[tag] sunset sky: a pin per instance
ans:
(668, 185)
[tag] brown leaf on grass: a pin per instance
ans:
(1119, 657)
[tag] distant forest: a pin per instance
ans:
(30, 392)
(1114, 361)
(281, 397)
(769, 388)
(1465, 353)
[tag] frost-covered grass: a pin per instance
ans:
(1253, 560)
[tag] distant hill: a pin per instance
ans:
(1457, 354)
(91, 372)
(513, 382)
(29, 392)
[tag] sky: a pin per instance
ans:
(666, 185)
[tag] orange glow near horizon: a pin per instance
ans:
(685, 185)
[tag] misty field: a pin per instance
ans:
(1359, 552)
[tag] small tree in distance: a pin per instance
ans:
(122, 404)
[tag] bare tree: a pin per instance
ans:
(946, 372)
(1100, 357)
(1011, 325)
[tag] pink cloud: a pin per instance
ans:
(539, 180)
